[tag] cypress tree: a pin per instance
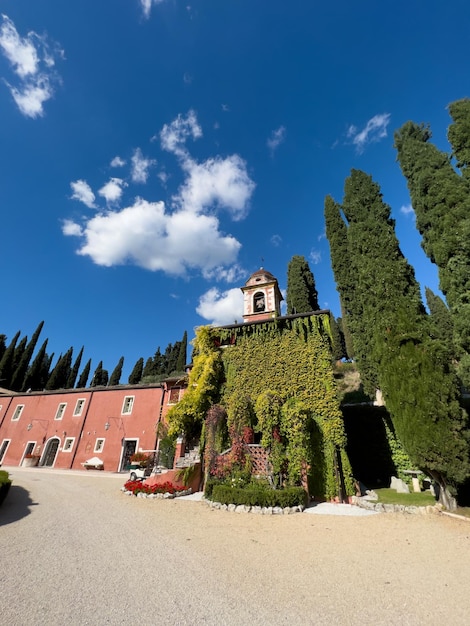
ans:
(84, 375)
(18, 377)
(158, 362)
(6, 364)
(441, 200)
(459, 134)
(17, 356)
(181, 360)
(74, 370)
(97, 379)
(302, 295)
(441, 325)
(61, 372)
(136, 375)
(3, 346)
(148, 371)
(420, 390)
(33, 379)
(116, 373)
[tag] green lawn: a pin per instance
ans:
(390, 496)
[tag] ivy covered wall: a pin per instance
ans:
(290, 357)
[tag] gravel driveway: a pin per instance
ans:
(76, 551)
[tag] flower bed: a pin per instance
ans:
(168, 490)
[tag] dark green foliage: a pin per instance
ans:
(116, 373)
(441, 200)
(302, 296)
(338, 344)
(5, 484)
(459, 133)
(82, 381)
(181, 360)
(441, 325)
(61, 372)
(136, 374)
(74, 370)
(148, 371)
(259, 495)
(100, 377)
(3, 347)
(7, 362)
(393, 334)
(17, 381)
(17, 357)
(36, 375)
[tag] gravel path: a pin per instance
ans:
(76, 551)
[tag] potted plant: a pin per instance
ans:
(140, 458)
(30, 460)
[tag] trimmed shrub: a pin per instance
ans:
(259, 496)
(5, 484)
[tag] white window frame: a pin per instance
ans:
(127, 404)
(99, 445)
(17, 413)
(60, 411)
(79, 406)
(72, 443)
(5, 441)
(169, 395)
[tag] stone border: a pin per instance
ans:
(258, 510)
(364, 503)
(157, 496)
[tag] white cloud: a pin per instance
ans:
(276, 240)
(163, 177)
(221, 308)
(373, 131)
(140, 166)
(32, 62)
(83, 193)
(71, 228)
(112, 190)
(117, 162)
(176, 239)
(173, 136)
(232, 274)
(276, 138)
(20, 51)
(146, 6)
(223, 183)
(315, 256)
(407, 209)
(145, 235)
(30, 98)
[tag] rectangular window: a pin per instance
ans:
(60, 411)
(68, 444)
(79, 407)
(174, 395)
(3, 448)
(17, 413)
(127, 405)
(99, 445)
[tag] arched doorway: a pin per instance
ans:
(50, 452)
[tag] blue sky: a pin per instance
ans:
(156, 153)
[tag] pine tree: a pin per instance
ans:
(74, 370)
(441, 200)
(33, 379)
(302, 295)
(6, 364)
(116, 373)
(418, 387)
(82, 381)
(136, 375)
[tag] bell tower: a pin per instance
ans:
(261, 297)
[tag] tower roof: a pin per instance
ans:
(260, 276)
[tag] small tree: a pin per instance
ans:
(136, 375)
(302, 295)
(116, 374)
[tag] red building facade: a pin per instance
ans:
(64, 429)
